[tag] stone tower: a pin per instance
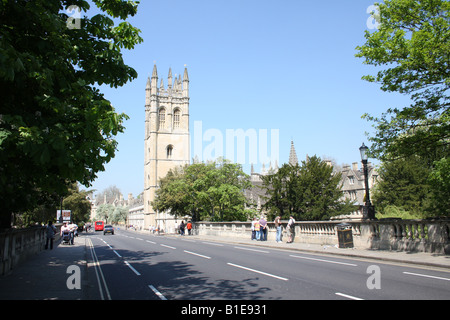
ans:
(166, 136)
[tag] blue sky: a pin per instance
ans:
(266, 64)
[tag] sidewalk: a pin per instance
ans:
(44, 276)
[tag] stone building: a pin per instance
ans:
(167, 138)
(352, 183)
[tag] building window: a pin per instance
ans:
(169, 151)
(162, 118)
(176, 118)
(351, 180)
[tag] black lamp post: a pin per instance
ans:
(368, 208)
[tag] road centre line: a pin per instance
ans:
(426, 276)
(213, 244)
(131, 267)
(322, 260)
(248, 249)
(150, 241)
(257, 271)
(157, 292)
(167, 246)
(347, 296)
(197, 254)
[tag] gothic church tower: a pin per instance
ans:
(166, 137)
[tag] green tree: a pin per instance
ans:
(78, 204)
(318, 192)
(413, 43)
(439, 181)
(104, 212)
(402, 184)
(119, 214)
(310, 191)
(55, 124)
(212, 191)
(75, 201)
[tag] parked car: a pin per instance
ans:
(108, 229)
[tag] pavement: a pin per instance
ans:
(49, 274)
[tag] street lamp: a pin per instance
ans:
(368, 208)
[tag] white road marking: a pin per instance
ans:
(131, 267)
(213, 244)
(347, 296)
(98, 271)
(167, 246)
(257, 271)
(426, 276)
(157, 292)
(255, 250)
(322, 260)
(197, 254)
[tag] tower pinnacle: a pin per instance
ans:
(293, 160)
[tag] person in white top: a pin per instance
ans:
(291, 229)
(66, 228)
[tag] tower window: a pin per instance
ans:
(176, 118)
(169, 151)
(162, 118)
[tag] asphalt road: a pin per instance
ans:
(129, 265)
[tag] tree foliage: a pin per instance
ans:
(412, 47)
(211, 191)
(402, 183)
(310, 191)
(55, 124)
(413, 44)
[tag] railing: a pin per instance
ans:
(400, 235)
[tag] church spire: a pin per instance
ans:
(292, 155)
(170, 78)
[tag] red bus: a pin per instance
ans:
(99, 225)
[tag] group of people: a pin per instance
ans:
(184, 226)
(259, 229)
(70, 230)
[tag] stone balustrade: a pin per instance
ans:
(389, 234)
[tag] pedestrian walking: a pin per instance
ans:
(50, 231)
(189, 227)
(254, 229)
(263, 226)
(182, 228)
(291, 229)
(257, 230)
(279, 228)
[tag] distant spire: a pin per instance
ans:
(185, 75)
(292, 155)
(170, 78)
(155, 72)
